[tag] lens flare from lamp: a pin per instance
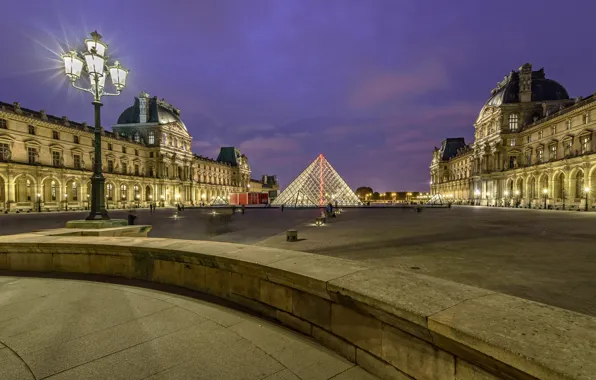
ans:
(73, 65)
(587, 189)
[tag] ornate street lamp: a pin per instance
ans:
(516, 197)
(587, 191)
(94, 64)
(545, 192)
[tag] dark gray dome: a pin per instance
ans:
(542, 90)
(158, 112)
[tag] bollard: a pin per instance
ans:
(291, 235)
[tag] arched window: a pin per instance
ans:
(137, 137)
(513, 122)
(110, 191)
(579, 184)
(123, 192)
(75, 192)
(151, 137)
(53, 191)
(136, 192)
(164, 138)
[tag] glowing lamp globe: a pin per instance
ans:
(73, 65)
(95, 63)
(95, 45)
(118, 74)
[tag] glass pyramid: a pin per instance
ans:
(318, 185)
(219, 201)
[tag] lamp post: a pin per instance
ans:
(516, 197)
(162, 203)
(94, 63)
(587, 191)
(487, 195)
(38, 202)
(65, 202)
(545, 192)
(506, 198)
(477, 193)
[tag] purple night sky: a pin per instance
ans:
(374, 85)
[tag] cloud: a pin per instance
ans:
(254, 127)
(261, 145)
(198, 144)
(381, 86)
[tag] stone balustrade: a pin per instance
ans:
(395, 324)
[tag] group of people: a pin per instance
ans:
(152, 207)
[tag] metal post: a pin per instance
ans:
(586, 206)
(98, 209)
(545, 201)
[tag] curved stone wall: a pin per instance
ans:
(395, 324)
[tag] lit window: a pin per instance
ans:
(554, 130)
(75, 192)
(137, 137)
(513, 122)
(586, 117)
(540, 134)
(569, 124)
(585, 145)
(123, 192)
(164, 138)
(540, 154)
(512, 142)
(553, 152)
(151, 137)
(53, 190)
(110, 191)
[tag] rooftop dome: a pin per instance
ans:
(543, 89)
(158, 111)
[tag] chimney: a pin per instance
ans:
(525, 83)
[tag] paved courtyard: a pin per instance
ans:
(67, 329)
(546, 256)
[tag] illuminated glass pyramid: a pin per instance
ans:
(318, 185)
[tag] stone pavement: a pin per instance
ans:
(67, 329)
(542, 255)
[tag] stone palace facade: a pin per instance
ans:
(532, 144)
(46, 161)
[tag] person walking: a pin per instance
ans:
(282, 208)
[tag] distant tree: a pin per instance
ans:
(363, 191)
(376, 196)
